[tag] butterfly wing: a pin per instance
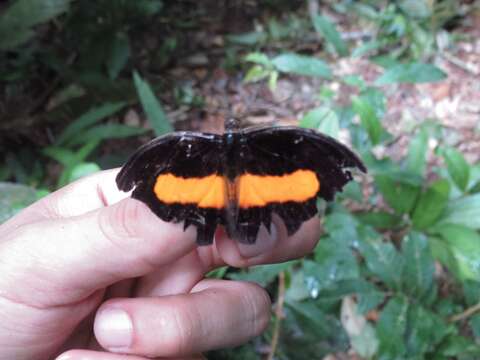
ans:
(288, 168)
(179, 177)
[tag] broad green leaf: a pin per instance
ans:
(334, 262)
(313, 319)
(463, 211)
(464, 244)
(459, 347)
(301, 65)
(368, 118)
(13, 198)
(262, 274)
(322, 119)
(458, 167)
(400, 194)
(152, 107)
(383, 261)
(411, 73)
(391, 328)
(88, 119)
(417, 153)
(106, 131)
(431, 204)
(425, 330)
(419, 269)
(18, 19)
(379, 219)
(259, 58)
(327, 29)
(83, 169)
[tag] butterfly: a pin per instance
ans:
(238, 179)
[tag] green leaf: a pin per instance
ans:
(249, 38)
(83, 169)
(418, 273)
(257, 73)
(88, 119)
(464, 244)
(301, 65)
(379, 219)
(262, 274)
(368, 118)
(21, 16)
(151, 106)
(106, 131)
(13, 198)
(327, 29)
(400, 194)
(322, 119)
(457, 167)
(410, 73)
(334, 262)
(391, 328)
(459, 347)
(431, 204)
(259, 58)
(417, 153)
(463, 211)
(119, 55)
(383, 261)
(425, 331)
(62, 155)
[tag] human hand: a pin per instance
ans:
(91, 274)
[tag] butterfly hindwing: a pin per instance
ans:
(285, 169)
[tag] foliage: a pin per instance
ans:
(386, 281)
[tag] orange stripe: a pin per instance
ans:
(205, 192)
(257, 190)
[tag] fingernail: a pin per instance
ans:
(265, 242)
(113, 328)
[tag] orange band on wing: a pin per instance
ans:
(204, 192)
(258, 190)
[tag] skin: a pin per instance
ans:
(88, 273)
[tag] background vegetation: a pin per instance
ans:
(396, 274)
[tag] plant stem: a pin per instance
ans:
(466, 314)
(278, 315)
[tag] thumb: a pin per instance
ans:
(60, 261)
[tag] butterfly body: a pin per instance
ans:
(238, 179)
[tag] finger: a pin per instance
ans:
(73, 257)
(98, 355)
(181, 276)
(219, 314)
(269, 248)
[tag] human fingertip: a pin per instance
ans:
(265, 242)
(113, 328)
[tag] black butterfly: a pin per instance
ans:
(238, 179)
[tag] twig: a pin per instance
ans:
(466, 314)
(472, 69)
(278, 315)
